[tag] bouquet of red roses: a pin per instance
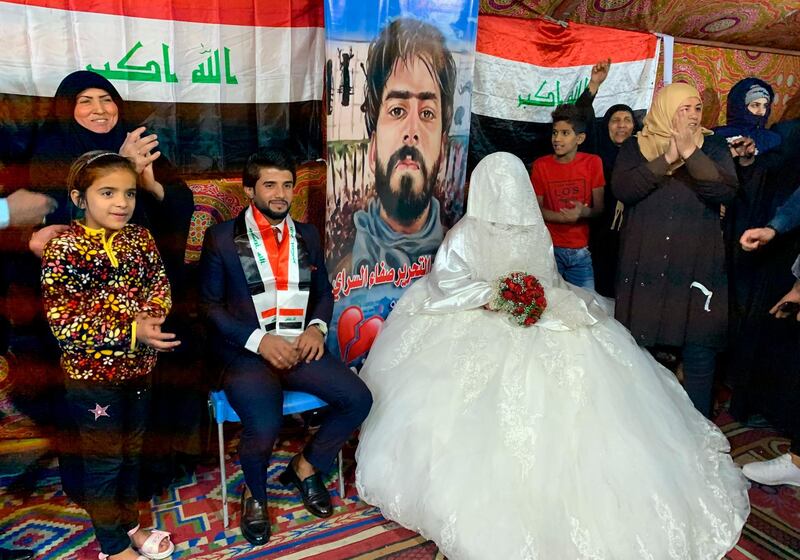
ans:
(521, 296)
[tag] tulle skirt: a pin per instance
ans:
(503, 442)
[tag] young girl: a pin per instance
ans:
(106, 296)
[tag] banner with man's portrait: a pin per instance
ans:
(398, 86)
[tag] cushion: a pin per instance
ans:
(217, 200)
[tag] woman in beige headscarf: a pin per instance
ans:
(671, 283)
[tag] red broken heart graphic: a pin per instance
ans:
(356, 335)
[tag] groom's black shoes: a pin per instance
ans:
(312, 490)
(255, 521)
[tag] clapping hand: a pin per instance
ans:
(672, 155)
(744, 149)
(572, 215)
(139, 149)
(683, 134)
(148, 332)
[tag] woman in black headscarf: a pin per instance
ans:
(87, 114)
(762, 350)
(619, 124)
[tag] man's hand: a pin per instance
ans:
(755, 238)
(40, 238)
(310, 344)
(277, 352)
(792, 296)
(683, 135)
(148, 332)
(28, 208)
(572, 215)
(599, 75)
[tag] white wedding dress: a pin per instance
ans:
(560, 441)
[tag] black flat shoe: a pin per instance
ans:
(312, 490)
(255, 521)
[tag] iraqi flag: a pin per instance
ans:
(525, 68)
(214, 79)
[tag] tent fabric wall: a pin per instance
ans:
(766, 23)
(713, 71)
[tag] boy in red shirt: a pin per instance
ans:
(569, 187)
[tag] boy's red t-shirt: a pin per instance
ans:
(561, 183)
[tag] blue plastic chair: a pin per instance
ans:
(294, 402)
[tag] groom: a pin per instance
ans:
(268, 300)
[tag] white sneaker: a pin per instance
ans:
(775, 471)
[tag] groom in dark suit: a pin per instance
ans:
(268, 300)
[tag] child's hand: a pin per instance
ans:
(572, 215)
(148, 332)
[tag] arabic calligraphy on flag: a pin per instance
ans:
(180, 52)
(525, 68)
(214, 81)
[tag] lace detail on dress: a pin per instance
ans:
(581, 540)
(472, 366)
(722, 531)
(603, 335)
(408, 342)
(447, 537)
(495, 251)
(393, 507)
(570, 377)
(676, 532)
(528, 551)
(644, 553)
(518, 424)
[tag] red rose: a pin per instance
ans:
(508, 294)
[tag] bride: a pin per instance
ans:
(558, 441)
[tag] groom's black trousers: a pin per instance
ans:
(255, 392)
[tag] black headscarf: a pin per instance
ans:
(62, 137)
(62, 140)
(741, 122)
(606, 148)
